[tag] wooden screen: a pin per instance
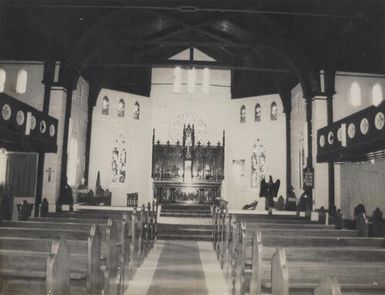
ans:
(21, 174)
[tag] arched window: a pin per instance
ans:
(355, 94)
(121, 108)
(243, 114)
(377, 95)
(3, 77)
(273, 111)
(21, 81)
(136, 112)
(206, 81)
(257, 116)
(177, 86)
(105, 106)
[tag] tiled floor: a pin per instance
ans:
(179, 267)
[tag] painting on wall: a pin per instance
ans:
(119, 160)
(258, 164)
(238, 168)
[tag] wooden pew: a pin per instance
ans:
(109, 236)
(230, 244)
(241, 249)
(31, 272)
(85, 263)
(222, 220)
(117, 239)
(328, 286)
(137, 245)
(301, 277)
(305, 253)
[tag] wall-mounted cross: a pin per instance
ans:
(49, 171)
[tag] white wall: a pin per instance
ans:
(298, 138)
(358, 182)
(165, 111)
(219, 112)
(34, 95)
(240, 140)
(210, 108)
(105, 129)
(78, 133)
(51, 189)
(299, 146)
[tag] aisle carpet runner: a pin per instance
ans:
(179, 270)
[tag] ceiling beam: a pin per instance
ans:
(333, 9)
(198, 64)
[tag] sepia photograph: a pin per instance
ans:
(192, 147)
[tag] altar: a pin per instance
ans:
(187, 172)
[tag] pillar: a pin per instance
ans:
(48, 77)
(286, 102)
(330, 91)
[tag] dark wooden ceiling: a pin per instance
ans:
(270, 45)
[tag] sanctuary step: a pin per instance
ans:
(182, 210)
(185, 222)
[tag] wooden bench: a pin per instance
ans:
(274, 235)
(222, 220)
(229, 243)
(136, 236)
(86, 263)
(299, 277)
(118, 261)
(247, 269)
(47, 271)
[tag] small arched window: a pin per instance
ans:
(105, 106)
(377, 96)
(355, 94)
(121, 108)
(273, 111)
(243, 114)
(21, 81)
(136, 112)
(257, 116)
(3, 77)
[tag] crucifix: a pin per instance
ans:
(49, 171)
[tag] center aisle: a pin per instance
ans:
(179, 270)
(179, 267)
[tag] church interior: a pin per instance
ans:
(192, 147)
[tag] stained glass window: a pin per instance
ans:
(121, 108)
(273, 111)
(136, 112)
(243, 114)
(105, 106)
(257, 113)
